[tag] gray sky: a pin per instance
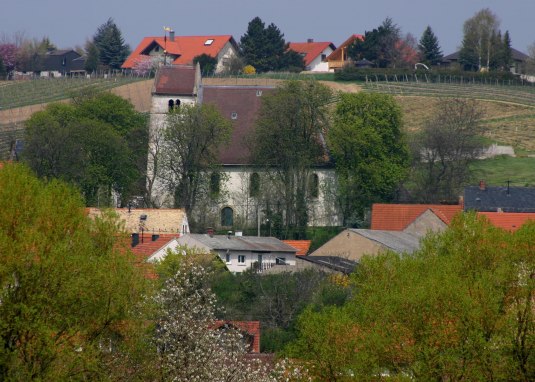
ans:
(70, 22)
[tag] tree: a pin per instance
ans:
(3, 71)
(111, 46)
(287, 142)
(449, 142)
(370, 152)
(477, 46)
(8, 52)
(66, 285)
(530, 64)
(92, 57)
(429, 48)
(193, 136)
(264, 48)
(506, 53)
(207, 63)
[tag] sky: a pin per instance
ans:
(69, 23)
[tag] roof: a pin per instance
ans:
(494, 199)
(508, 220)
(332, 262)
(396, 217)
(242, 243)
(397, 241)
(337, 54)
(183, 49)
(175, 80)
(302, 246)
(311, 50)
(252, 328)
(149, 244)
(157, 220)
(515, 54)
(245, 101)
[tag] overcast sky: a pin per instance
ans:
(70, 22)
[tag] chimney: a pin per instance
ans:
(210, 231)
(172, 36)
(482, 185)
(135, 239)
(310, 40)
(229, 234)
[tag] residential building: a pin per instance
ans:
(483, 198)
(60, 63)
(339, 57)
(314, 54)
(519, 60)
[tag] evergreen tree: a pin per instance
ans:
(379, 45)
(429, 47)
(3, 71)
(507, 52)
(253, 43)
(112, 49)
(92, 57)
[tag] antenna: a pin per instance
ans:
(508, 187)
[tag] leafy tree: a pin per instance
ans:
(264, 48)
(92, 57)
(530, 63)
(477, 46)
(3, 71)
(287, 143)
(370, 152)
(111, 46)
(208, 63)
(193, 136)
(429, 48)
(8, 52)
(444, 149)
(66, 286)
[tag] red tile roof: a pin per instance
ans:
(508, 220)
(175, 80)
(147, 247)
(311, 50)
(302, 246)
(396, 217)
(250, 327)
(183, 49)
(337, 54)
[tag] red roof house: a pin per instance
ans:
(314, 53)
(510, 221)
(397, 217)
(250, 330)
(302, 246)
(181, 50)
(339, 58)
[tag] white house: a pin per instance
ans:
(314, 53)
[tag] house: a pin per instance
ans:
(352, 244)
(302, 246)
(510, 221)
(339, 57)
(483, 198)
(519, 59)
(250, 331)
(58, 63)
(240, 104)
(241, 253)
(314, 54)
(327, 264)
(181, 50)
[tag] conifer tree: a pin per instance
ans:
(112, 49)
(429, 47)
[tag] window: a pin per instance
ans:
(280, 261)
(177, 103)
(227, 258)
(227, 217)
(171, 105)
(313, 186)
(241, 259)
(234, 115)
(209, 42)
(254, 184)
(323, 57)
(215, 180)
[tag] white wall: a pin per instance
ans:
(268, 260)
(227, 53)
(317, 65)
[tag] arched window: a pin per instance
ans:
(177, 103)
(215, 180)
(254, 184)
(313, 186)
(227, 217)
(171, 105)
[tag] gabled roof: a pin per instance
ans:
(336, 263)
(241, 243)
(396, 241)
(516, 56)
(311, 50)
(495, 199)
(302, 246)
(176, 80)
(508, 220)
(337, 54)
(183, 49)
(252, 328)
(396, 217)
(245, 102)
(156, 220)
(150, 244)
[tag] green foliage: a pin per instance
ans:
(264, 48)
(3, 71)
(429, 48)
(370, 152)
(92, 57)
(109, 41)
(479, 45)
(66, 286)
(208, 63)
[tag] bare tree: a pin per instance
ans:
(449, 142)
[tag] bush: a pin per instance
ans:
(249, 69)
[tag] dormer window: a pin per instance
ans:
(209, 42)
(234, 115)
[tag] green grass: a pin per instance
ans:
(30, 92)
(497, 171)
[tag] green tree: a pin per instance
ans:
(111, 46)
(478, 46)
(66, 285)
(370, 152)
(506, 53)
(3, 71)
(287, 143)
(193, 135)
(207, 63)
(92, 57)
(429, 48)
(265, 49)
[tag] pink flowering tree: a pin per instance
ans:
(143, 65)
(8, 52)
